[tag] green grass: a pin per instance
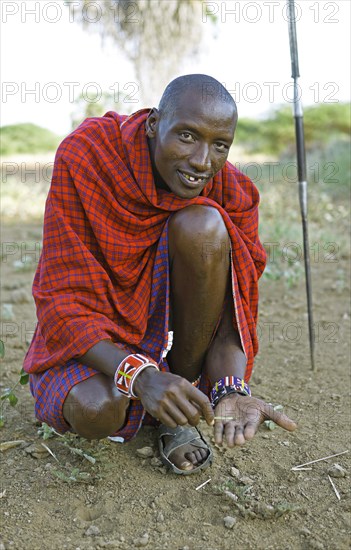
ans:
(28, 139)
(328, 214)
(275, 133)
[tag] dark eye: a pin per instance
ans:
(222, 147)
(187, 136)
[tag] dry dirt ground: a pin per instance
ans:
(55, 497)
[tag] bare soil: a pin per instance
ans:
(126, 501)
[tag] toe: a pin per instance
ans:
(191, 457)
(186, 465)
(187, 457)
(200, 456)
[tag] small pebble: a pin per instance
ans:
(36, 450)
(265, 511)
(316, 545)
(246, 480)
(336, 471)
(145, 452)
(92, 531)
(225, 508)
(160, 517)
(109, 544)
(305, 531)
(142, 541)
(234, 472)
(155, 462)
(229, 522)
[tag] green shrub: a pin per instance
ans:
(27, 138)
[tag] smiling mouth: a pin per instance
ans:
(193, 179)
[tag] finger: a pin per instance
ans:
(167, 420)
(229, 431)
(239, 438)
(279, 418)
(202, 400)
(250, 430)
(190, 410)
(175, 413)
(218, 433)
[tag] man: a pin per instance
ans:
(148, 229)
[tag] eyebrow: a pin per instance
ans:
(191, 127)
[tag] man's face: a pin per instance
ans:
(189, 146)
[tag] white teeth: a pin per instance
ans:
(191, 178)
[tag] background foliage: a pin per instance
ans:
(327, 130)
(145, 28)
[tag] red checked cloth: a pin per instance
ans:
(100, 270)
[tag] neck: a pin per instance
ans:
(159, 182)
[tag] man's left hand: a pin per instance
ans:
(237, 418)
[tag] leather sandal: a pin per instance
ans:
(182, 435)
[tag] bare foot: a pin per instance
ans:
(186, 457)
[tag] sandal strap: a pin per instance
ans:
(181, 436)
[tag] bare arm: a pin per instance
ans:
(105, 356)
(166, 396)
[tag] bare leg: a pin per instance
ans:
(199, 258)
(199, 271)
(95, 408)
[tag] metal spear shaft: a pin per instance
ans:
(301, 168)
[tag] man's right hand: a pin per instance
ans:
(172, 399)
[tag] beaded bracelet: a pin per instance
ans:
(196, 382)
(226, 386)
(128, 370)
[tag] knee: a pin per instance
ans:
(197, 221)
(199, 230)
(95, 416)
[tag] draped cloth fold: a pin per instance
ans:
(103, 271)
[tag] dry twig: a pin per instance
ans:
(5, 445)
(202, 484)
(297, 468)
(50, 451)
(335, 489)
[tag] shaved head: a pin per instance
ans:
(190, 134)
(206, 88)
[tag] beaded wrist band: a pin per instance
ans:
(128, 370)
(196, 382)
(226, 386)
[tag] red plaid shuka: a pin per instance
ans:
(103, 272)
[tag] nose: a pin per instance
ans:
(200, 159)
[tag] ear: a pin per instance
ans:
(151, 123)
